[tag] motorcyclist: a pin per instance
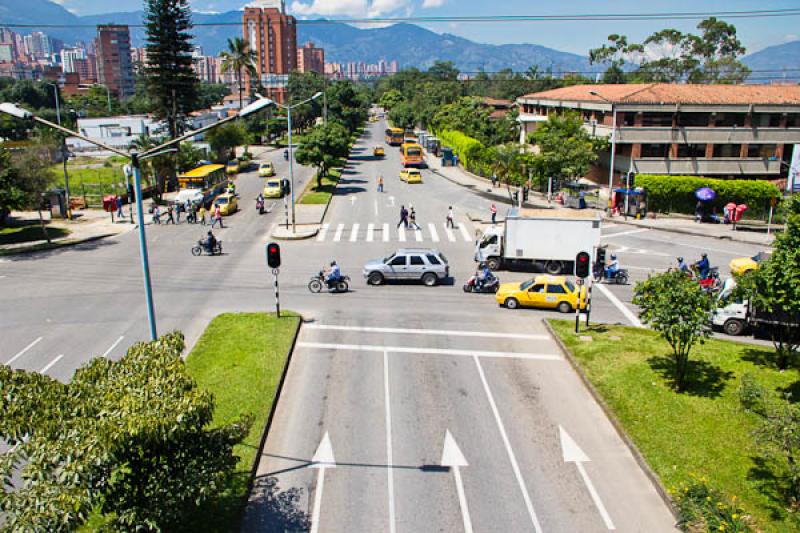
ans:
(703, 266)
(260, 203)
(210, 242)
(483, 276)
(612, 267)
(286, 154)
(333, 274)
(683, 267)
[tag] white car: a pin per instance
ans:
(193, 195)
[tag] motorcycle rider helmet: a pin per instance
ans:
(704, 254)
(680, 260)
(613, 256)
(333, 263)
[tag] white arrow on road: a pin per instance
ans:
(453, 458)
(391, 200)
(573, 454)
(322, 460)
(352, 200)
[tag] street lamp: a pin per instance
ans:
(135, 158)
(613, 144)
(288, 109)
(64, 153)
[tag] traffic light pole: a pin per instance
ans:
(277, 293)
(579, 282)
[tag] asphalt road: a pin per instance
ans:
(440, 360)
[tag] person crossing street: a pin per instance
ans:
(403, 217)
(450, 218)
(493, 210)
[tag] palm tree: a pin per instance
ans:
(237, 58)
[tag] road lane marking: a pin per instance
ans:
(450, 235)
(448, 332)
(49, 365)
(509, 451)
(464, 232)
(338, 235)
(323, 459)
(376, 207)
(3, 277)
(386, 233)
(619, 305)
(621, 233)
(389, 453)
(432, 229)
(401, 234)
(370, 231)
(22, 352)
(418, 235)
(354, 232)
(572, 453)
(116, 342)
(323, 232)
(433, 351)
(454, 459)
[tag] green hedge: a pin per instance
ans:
(463, 145)
(675, 194)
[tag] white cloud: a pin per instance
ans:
(432, 3)
(791, 37)
(351, 8)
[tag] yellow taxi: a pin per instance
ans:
(266, 170)
(411, 175)
(378, 151)
(546, 292)
(232, 167)
(273, 188)
(740, 265)
(227, 204)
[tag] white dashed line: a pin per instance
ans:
(323, 232)
(110, 348)
(370, 231)
(338, 235)
(354, 233)
(49, 365)
(22, 352)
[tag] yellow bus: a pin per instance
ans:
(394, 136)
(208, 180)
(411, 155)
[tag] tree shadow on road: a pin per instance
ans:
(702, 378)
(271, 509)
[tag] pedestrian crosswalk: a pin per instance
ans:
(385, 232)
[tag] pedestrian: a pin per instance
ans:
(120, 214)
(403, 217)
(380, 183)
(412, 220)
(698, 211)
(156, 214)
(202, 214)
(170, 217)
(192, 216)
(494, 180)
(493, 210)
(177, 212)
(450, 218)
(189, 212)
(216, 218)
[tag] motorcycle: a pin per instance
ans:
(318, 282)
(201, 247)
(712, 281)
(489, 285)
(620, 277)
(260, 206)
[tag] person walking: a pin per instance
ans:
(403, 217)
(170, 214)
(380, 183)
(450, 218)
(192, 216)
(202, 214)
(156, 214)
(120, 214)
(177, 212)
(493, 210)
(216, 218)
(412, 219)
(494, 180)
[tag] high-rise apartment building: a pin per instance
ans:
(68, 57)
(86, 68)
(310, 58)
(114, 67)
(38, 45)
(272, 35)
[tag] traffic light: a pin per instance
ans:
(524, 194)
(273, 255)
(516, 197)
(631, 180)
(582, 266)
(601, 255)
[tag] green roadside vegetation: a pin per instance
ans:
(321, 195)
(239, 359)
(700, 434)
(16, 233)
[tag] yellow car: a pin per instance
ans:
(740, 265)
(273, 188)
(266, 170)
(227, 204)
(232, 167)
(378, 151)
(411, 175)
(547, 292)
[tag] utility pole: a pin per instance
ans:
(64, 152)
(325, 100)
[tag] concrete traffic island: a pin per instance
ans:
(282, 233)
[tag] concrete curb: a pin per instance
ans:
(296, 236)
(254, 468)
(687, 232)
(55, 245)
(637, 455)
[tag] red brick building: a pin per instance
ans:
(114, 67)
(272, 34)
(310, 58)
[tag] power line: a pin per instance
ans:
(591, 17)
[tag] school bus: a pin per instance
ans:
(394, 136)
(411, 155)
(210, 179)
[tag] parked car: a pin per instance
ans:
(411, 175)
(420, 264)
(265, 170)
(547, 292)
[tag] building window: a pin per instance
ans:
(655, 150)
(727, 150)
(793, 120)
(628, 119)
(691, 150)
(661, 120)
(693, 120)
(767, 120)
(729, 120)
(763, 151)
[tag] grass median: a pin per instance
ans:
(240, 359)
(321, 195)
(701, 433)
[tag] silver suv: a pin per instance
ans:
(423, 264)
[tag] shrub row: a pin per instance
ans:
(676, 193)
(463, 145)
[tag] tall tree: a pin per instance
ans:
(566, 150)
(323, 147)
(239, 59)
(614, 54)
(171, 81)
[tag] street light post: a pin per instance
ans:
(64, 153)
(135, 158)
(613, 147)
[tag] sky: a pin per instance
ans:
(576, 37)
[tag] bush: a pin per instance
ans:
(676, 193)
(464, 146)
(701, 508)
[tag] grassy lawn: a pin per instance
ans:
(29, 232)
(240, 359)
(703, 431)
(321, 195)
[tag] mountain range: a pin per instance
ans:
(410, 45)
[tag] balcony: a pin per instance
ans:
(665, 135)
(728, 166)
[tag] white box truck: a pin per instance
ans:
(539, 237)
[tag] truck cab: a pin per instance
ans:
(489, 248)
(731, 314)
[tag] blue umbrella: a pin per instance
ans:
(705, 194)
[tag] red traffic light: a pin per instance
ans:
(582, 265)
(273, 255)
